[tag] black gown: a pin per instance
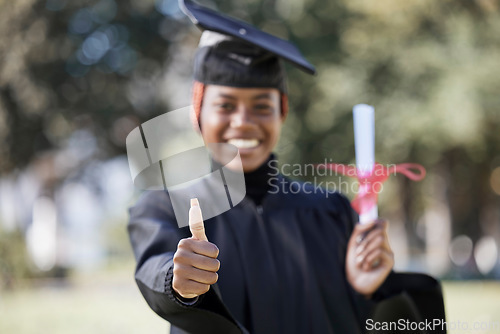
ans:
(282, 255)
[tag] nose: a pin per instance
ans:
(242, 117)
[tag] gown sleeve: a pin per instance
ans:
(154, 236)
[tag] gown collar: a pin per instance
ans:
(258, 181)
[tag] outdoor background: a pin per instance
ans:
(77, 76)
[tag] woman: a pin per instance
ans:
(278, 262)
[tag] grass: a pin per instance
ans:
(473, 303)
(109, 302)
(89, 303)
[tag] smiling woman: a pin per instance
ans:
(287, 261)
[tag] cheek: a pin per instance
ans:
(211, 127)
(274, 131)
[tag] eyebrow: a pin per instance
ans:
(257, 97)
(227, 96)
(262, 96)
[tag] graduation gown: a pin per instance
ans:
(282, 265)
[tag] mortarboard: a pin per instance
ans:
(235, 53)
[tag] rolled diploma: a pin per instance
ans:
(364, 142)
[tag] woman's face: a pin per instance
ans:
(248, 118)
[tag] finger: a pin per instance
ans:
(189, 288)
(198, 261)
(381, 241)
(372, 235)
(379, 257)
(196, 224)
(388, 257)
(382, 227)
(361, 231)
(387, 246)
(195, 274)
(384, 260)
(207, 264)
(376, 242)
(361, 228)
(357, 233)
(371, 258)
(377, 225)
(204, 248)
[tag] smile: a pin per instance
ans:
(244, 143)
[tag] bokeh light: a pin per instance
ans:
(101, 43)
(460, 250)
(169, 8)
(41, 237)
(486, 254)
(94, 48)
(81, 23)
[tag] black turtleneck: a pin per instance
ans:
(257, 181)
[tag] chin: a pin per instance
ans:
(252, 164)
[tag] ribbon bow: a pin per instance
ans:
(371, 184)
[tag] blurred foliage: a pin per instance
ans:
(429, 67)
(14, 262)
(68, 65)
(117, 243)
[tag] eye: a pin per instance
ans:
(263, 109)
(225, 107)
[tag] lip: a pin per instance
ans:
(247, 151)
(244, 150)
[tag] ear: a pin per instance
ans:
(197, 103)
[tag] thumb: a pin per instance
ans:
(196, 221)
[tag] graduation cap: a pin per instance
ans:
(235, 53)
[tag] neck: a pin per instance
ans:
(257, 181)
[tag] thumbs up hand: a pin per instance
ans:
(195, 261)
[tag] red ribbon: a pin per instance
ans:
(370, 185)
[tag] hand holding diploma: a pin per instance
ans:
(195, 261)
(369, 258)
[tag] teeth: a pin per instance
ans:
(244, 143)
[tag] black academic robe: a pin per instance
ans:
(282, 265)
